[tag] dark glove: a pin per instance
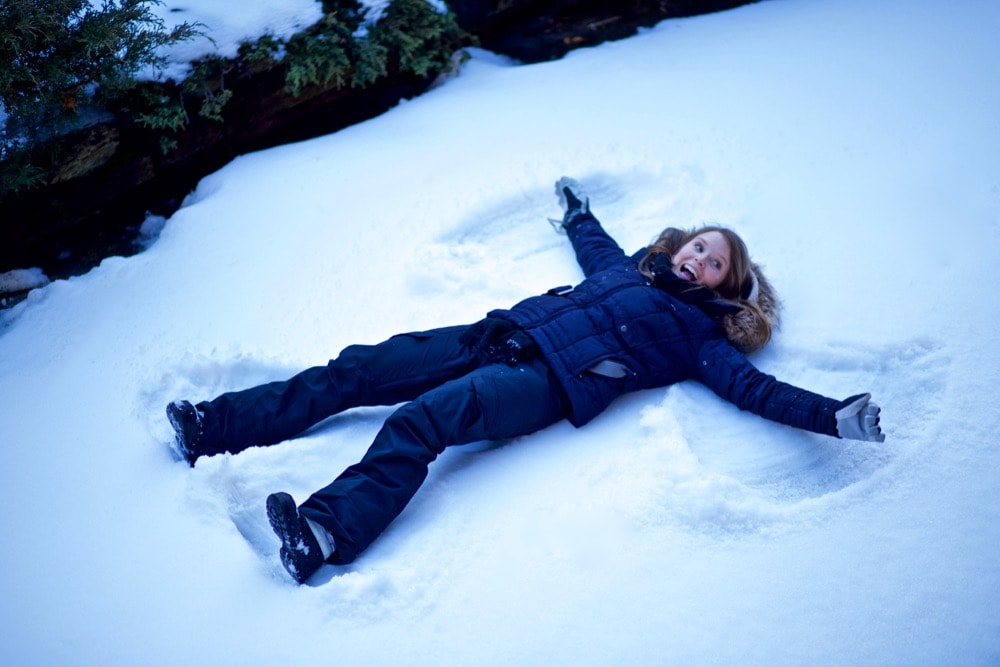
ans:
(858, 419)
(497, 340)
(574, 202)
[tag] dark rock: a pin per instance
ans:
(542, 30)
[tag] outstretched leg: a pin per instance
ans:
(395, 370)
(490, 403)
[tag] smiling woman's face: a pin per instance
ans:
(704, 260)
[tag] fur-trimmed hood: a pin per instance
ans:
(749, 329)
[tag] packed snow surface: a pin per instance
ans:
(854, 144)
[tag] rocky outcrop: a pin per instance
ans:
(115, 170)
(540, 30)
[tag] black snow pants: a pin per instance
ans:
(451, 398)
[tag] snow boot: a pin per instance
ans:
(300, 551)
(186, 420)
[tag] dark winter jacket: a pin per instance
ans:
(617, 315)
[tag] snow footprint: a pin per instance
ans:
(506, 247)
(199, 377)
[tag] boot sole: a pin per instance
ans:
(296, 552)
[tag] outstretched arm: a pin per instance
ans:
(594, 247)
(731, 375)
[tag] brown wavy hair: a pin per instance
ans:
(673, 239)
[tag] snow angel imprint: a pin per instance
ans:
(688, 307)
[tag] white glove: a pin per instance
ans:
(858, 419)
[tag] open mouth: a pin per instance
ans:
(687, 273)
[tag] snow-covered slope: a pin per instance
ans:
(855, 145)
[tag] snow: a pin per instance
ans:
(22, 279)
(224, 24)
(855, 145)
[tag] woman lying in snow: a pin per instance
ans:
(690, 306)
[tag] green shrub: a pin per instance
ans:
(420, 39)
(261, 53)
(65, 56)
(317, 57)
(208, 81)
(327, 51)
(58, 56)
(409, 34)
